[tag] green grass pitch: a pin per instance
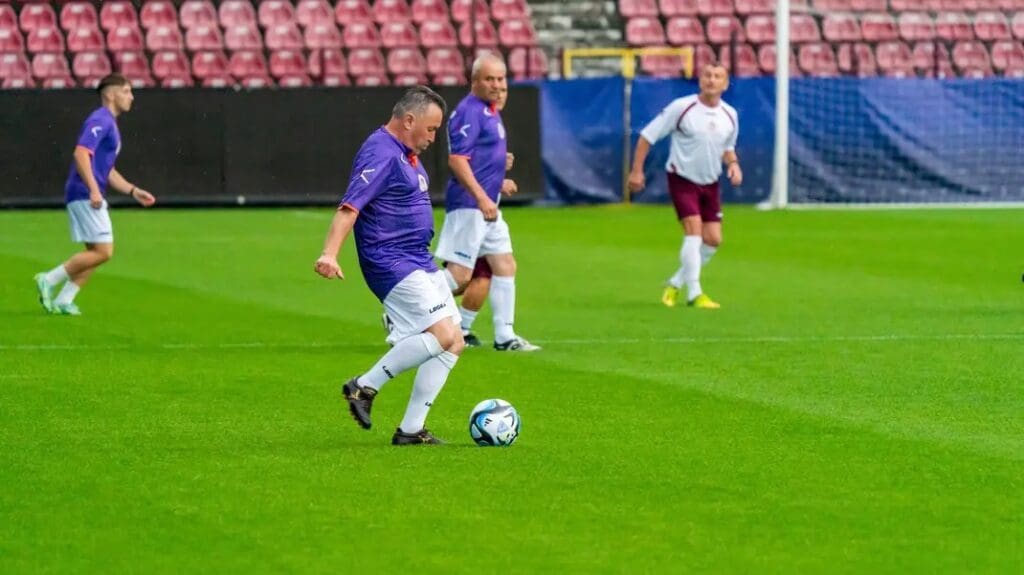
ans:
(857, 406)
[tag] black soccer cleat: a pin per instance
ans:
(516, 344)
(421, 437)
(471, 339)
(360, 401)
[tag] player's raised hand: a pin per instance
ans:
(328, 267)
(735, 174)
(508, 187)
(637, 181)
(144, 198)
(510, 160)
(490, 209)
(95, 200)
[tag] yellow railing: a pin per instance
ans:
(628, 58)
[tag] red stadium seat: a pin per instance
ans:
(869, 6)
(761, 28)
(929, 56)
(971, 55)
(722, 29)
(409, 80)
(372, 80)
(1007, 54)
(953, 26)
(683, 30)
(91, 65)
(744, 7)
(638, 8)
(156, 13)
(449, 80)
(461, 8)
(510, 10)
(243, 38)
(512, 33)
(197, 13)
(406, 61)
(856, 60)
(287, 63)
(323, 36)
(326, 63)
(447, 61)
(715, 7)
(1014, 71)
(170, 63)
(745, 65)
(164, 38)
(140, 82)
(362, 35)
(35, 16)
(234, 13)
(398, 34)
(85, 40)
(894, 59)
(482, 33)
(59, 83)
(45, 40)
(991, 26)
(916, 26)
(256, 82)
(429, 11)
(125, 39)
(879, 28)
(203, 38)
(121, 13)
(1017, 25)
(11, 41)
(365, 62)
(438, 34)
(78, 15)
(8, 17)
(528, 63)
(177, 82)
(131, 64)
(50, 66)
(645, 32)
(803, 28)
(313, 12)
(294, 81)
(391, 11)
(284, 37)
(14, 66)
(678, 7)
(349, 11)
(335, 80)
(18, 83)
(823, 6)
(703, 55)
(840, 28)
(249, 64)
(817, 59)
(274, 12)
(209, 63)
(916, 5)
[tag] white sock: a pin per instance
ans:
(677, 278)
(430, 378)
(67, 294)
(407, 354)
(56, 275)
(450, 279)
(468, 317)
(503, 304)
(706, 253)
(691, 266)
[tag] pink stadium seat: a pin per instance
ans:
(991, 26)
(712, 7)
(856, 60)
(1007, 54)
(400, 33)
(50, 66)
(45, 40)
(78, 15)
(197, 13)
(1014, 71)
(678, 7)
(323, 36)
(58, 83)
(406, 61)
(362, 35)
(18, 83)
(645, 32)
(14, 66)
(391, 11)
(509, 10)
(326, 63)
(638, 8)
(274, 12)
(121, 13)
(449, 80)
(745, 65)
(287, 62)
(170, 63)
(916, 26)
(703, 55)
(894, 59)
(349, 11)
(1017, 25)
(528, 63)
(203, 38)
(131, 64)
(817, 59)
(256, 82)
(125, 39)
(243, 38)
(208, 63)
(372, 80)
(682, 30)
(249, 64)
(953, 26)
(429, 10)
(449, 61)
(406, 80)
(163, 38)
(85, 40)
(336, 80)
(312, 12)
(177, 82)
(283, 37)
(840, 28)
(744, 7)
(91, 65)
(513, 33)
(11, 41)
(823, 6)
(234, 13)
(8, 18)
(156, 13)
(35, 16)
(971, 55)
(460, 10)
(916, 5)
(879, 28)
(365, 62)
(722, 29)
(482, 33)
(928, 56)
(761, 28)
(803, 28)
(438, 34)
(869, 6)
(294, 81)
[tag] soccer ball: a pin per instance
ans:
(494, 422)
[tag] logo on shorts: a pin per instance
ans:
(438, 307)
(463, 255)
(719, 215)
(423, 183)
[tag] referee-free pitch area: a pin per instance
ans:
(857, 405)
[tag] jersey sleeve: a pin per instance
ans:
(370, 177)
(463, 132)
(93, 132)
(730, 146)
(663, 124)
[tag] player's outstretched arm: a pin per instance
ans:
(464, 174)
(637, 181)
(341, 226)
(83, 163)
(120, 184)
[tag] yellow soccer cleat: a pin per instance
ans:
(703, 302)
(670, 296)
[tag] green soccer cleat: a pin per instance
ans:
(65, 309)
(45, 292)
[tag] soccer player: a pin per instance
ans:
(704, 131)
(388, 206)
(473, 224)
(85, 191)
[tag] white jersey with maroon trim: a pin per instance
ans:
(700, 135)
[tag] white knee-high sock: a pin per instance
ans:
(56, 275)
(430, 378)
(468, 317)
(691, 266)
(407, 354)
(503, 304)
(67, 293)
(677, 278)
(706, 253)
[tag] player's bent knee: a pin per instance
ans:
(713, 241)
(103, 251)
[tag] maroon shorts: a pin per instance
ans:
(482, 269)
(692, 199)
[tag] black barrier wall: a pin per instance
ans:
(212, 147)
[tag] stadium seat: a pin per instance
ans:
(450, 61)
(1017, 25)
(894, 59)
(131, 64)
(722, 29)
(662, 65)
(971, 55)
(745, 65)
(438, 34)
(283, 37)
(350, 11)
(362, 35)
(23, 83)
(45, 40)
(247, 64)
(313, 12)
(869, 6)
(703, 55)
(177, 82)
(336, 80)
(274, 12)
(170, 63)
(482, 33)
(365, 62)
(391, 11)
(683, 30)
(916, 26)
(449, 80)
(406, 80)
(803, 28)
(817, 59)
(203, 38)
(825, 6)
(1014, 71)
(235, 13)
(645, 32)
(34, 16)
(322, 36)
(953, 26)
(58, 83)
(287, 63)
(510, 10)
(842, 27)
(125, 39)
(85, 39)
(14, 66)
(122, 13)
(429, 11)
(243, 38)
(400, 33)
(856, 60)
(760, 28)
(50, 66)
(163, 38)
(461, 8)
(715, 7)
(256, 82)
(91, 65)
(372, 80)
(406, 61)
(931, 56)
(294, 81)
(78, 15)
(512, 33)
(877, 27)
(991, 26)
(915, 5)
(638, 8)
(158, 13)
(678, 7)
(8, 17)
(195, 13)
(11, 41)
(209, 63)
(326, 63)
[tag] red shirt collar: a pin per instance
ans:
(413, 159)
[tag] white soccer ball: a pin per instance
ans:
(494, 422)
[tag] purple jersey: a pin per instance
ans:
(101, 137)
(388, 187)
(475, 132)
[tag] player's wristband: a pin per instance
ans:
(131, 192)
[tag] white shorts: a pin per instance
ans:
(465, 237)
(90, 225)
(419, 301)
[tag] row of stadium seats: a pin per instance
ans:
(669, 8)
